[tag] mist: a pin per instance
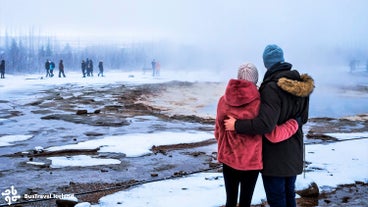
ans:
(212, 35)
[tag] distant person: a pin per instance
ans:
(284, 95)
(101, 69)
(47, 67)
(52, 67)
(83, 67)
(91, 72)
(240, 154)
(366, 66)
(153, 63)
(61, 69)
(158, 67)
(2, 69)
(89, 67)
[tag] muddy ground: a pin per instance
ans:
(70, 114)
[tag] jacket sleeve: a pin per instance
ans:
(268, 116)
(283, 132)
(218, 120)
(305, 113)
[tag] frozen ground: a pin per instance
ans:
(44, 142)
(332, 165)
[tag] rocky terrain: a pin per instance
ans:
(69, 114)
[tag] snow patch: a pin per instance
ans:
(80, 160)
(36, 163)
(134, 145)
(338, 163)
(348, 136)
(8, 140)
(202, 189)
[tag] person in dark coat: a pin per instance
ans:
(2, 69)
(89, 63)
(87, 67)
(101, 69)
(153, 63)
(83, 67)
(47, 67)
(61, 69)
(241, 154)
(282, 98)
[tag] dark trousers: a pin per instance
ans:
(61, 72)
(280, 191)
(247, 181)
(48, 73)
(100, 73)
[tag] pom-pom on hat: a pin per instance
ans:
(272, 54)
(248, 72)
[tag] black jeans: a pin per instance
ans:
(61, 72)
(247, 181)
(280, 191)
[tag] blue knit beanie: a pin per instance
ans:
(272, 54)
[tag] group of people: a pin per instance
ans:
(260, 130)
(355, 64)
(155, 68)
(2, 69)
(87, 68)
(50, 66)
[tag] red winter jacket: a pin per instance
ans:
(241, 151)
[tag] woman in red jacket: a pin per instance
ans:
(240, 154)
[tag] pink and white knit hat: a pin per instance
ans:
(248, 72)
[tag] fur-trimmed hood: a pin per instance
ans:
(302, 88)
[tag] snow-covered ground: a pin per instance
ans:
(342, 162)
(333, 164)
(135, 145)
(8, 140)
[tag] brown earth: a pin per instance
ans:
(112, 106)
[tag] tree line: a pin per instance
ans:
(28, 53)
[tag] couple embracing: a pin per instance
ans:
(261, 130)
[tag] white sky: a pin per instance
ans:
(207, 21)
(311, 32)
